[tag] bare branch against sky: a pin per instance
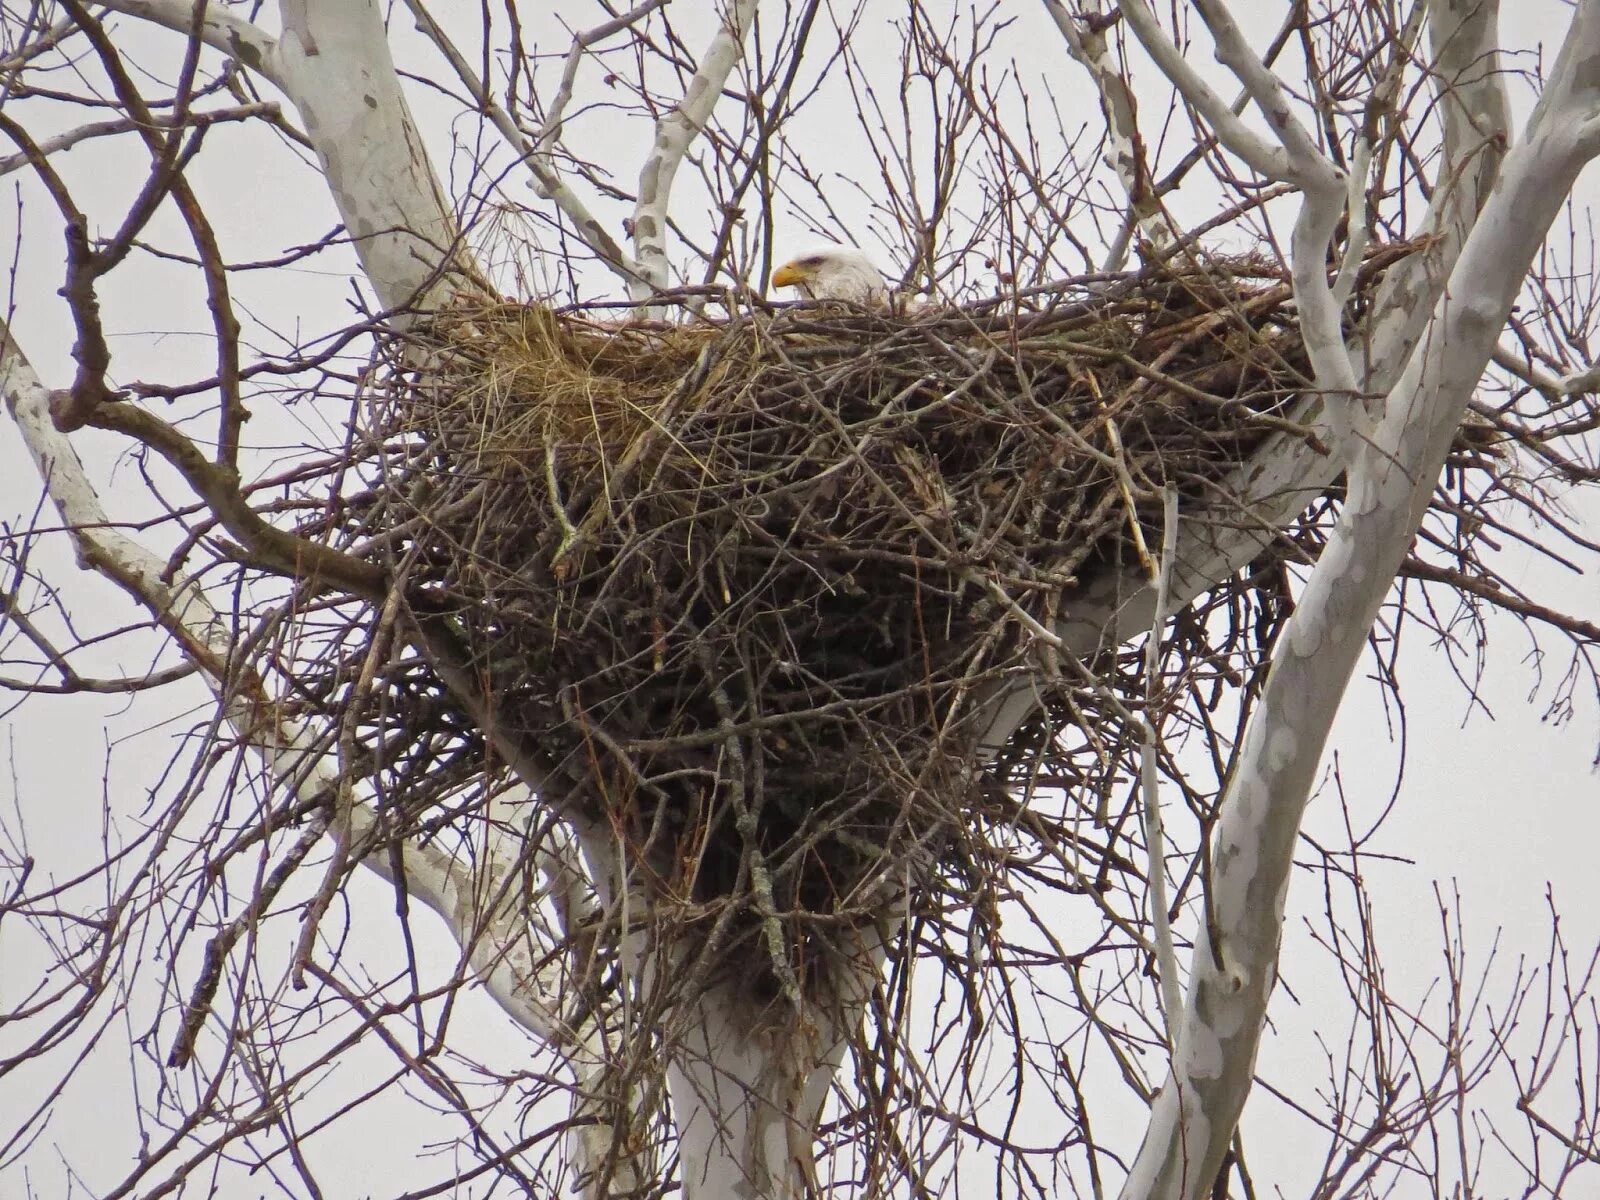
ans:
(503, 700)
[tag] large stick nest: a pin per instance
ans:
(751, 584)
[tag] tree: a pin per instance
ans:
(355, 725)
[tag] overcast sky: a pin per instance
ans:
(1501, 802)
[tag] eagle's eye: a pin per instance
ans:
(814, 260)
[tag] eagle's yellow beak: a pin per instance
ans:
(789, 275)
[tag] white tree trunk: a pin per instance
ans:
(748, 1088)
(1288, 473)
(1391, 482)
(333, 59)
(745, 1103)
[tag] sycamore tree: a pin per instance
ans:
(326, 835)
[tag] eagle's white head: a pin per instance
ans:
(834, 273)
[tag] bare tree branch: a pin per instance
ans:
(1235, 962)
(675, 133)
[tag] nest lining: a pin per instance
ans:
(748, 583)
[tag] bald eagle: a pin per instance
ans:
(834, 273)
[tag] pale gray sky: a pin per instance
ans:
(1506, 807)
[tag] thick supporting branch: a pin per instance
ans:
(1288, 473)
(334, 62)
(476, 903)
(1235, 961)
(746, 1105)
(247, 44)
(746, 1099)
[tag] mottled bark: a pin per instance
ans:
(1391, 480)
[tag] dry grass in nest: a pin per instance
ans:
(748, 584)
